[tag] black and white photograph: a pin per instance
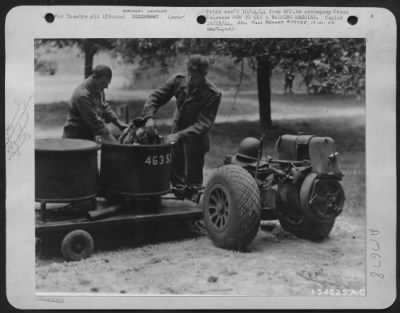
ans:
(220, 166)
(200, 166)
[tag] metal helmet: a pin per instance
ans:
(248, 149)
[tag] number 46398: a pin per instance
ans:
(154, 160)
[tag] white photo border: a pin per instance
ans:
(376, 25)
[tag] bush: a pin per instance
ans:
(45, 66)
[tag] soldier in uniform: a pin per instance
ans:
(289, 77)
(197, 102)
(88, 112)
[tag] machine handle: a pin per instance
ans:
(259, 154)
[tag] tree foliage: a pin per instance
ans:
(89, 47)
(326, 65)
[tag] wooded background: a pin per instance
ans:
(324, 66)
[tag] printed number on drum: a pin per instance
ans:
(161, 159)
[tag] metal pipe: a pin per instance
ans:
(126, 114)
(260, 147)
(280, 172)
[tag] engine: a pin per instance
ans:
(304, 180)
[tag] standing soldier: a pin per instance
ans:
(88, 112)
(197, 102)
(289, 77)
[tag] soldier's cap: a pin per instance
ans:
(198, 63)
(102, 70)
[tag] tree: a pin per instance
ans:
(328, 65)
(89, 47)
(149, 51)
(264, 91)
(258, 52)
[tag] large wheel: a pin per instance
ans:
(231, 207)
(77, 245)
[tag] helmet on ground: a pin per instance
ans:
(248, 149)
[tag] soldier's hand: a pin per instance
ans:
(121, 125)
(171, 138)
(150, 124)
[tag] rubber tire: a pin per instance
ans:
(243, 197)
(308, 229)
(40, 246)
(68, 242)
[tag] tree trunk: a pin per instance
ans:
(90, 50)
(264, 91)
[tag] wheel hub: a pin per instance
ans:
(218, 208)
(78, 246)
(326, 200)
(331, 202)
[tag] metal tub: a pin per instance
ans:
(135, 170)
(65, 169)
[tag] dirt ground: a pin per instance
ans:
(276, 264)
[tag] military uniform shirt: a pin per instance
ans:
(195, 112)
(88, 112)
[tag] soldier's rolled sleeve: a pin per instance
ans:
(205, 119)
(158, 98)
(108, 113)
(90, 116)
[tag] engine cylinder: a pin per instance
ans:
(268, 198)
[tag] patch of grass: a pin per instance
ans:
(311, 100)
(246, 103)
(51, 115)
(55, 114)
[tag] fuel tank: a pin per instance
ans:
(135, 170)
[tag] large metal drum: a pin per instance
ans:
(65, 169)
(135, 170)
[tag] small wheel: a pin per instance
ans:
(43, 244)
(313, 207)
(39, 251)
(231, 207)
(296, 222)
(77, 245)
(322, 199)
